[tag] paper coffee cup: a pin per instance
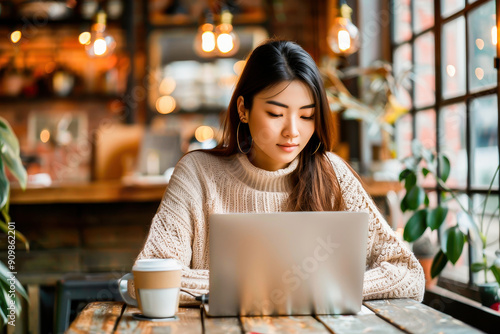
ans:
(157, 283)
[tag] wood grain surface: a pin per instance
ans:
(414, 317)
(98, 317)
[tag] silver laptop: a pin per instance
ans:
(288, 263)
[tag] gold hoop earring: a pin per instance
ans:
(238, 140)
(317, 148)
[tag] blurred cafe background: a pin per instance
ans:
(105, 97)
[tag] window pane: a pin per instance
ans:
(423, 15)
(481, 28)
(452, 120)
(424, 71)
(453, 64)
(484, 140)
(489, 226)
(402, 70)
(426, 128)
(460, 271)
(425, 122)
(449, 7)
(404, 136)
(402, 20)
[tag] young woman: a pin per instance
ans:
(275, 156)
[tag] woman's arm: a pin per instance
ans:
(172, 230)
(392, 269)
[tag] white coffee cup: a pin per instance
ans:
(157, 283)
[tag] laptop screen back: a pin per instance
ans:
(289, 263)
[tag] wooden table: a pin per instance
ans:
(377, 316)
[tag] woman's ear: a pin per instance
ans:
(242, 111)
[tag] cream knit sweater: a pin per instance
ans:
(202, 184)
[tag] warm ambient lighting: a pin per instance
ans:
(494, 35)
(238, 67)
(450, 69)
(45, 135)
(165, 104)
(343, 36)
(101, 44)
(221, 41)
(479, 43)
(167, 86)
(228, 42)
(15, 36)
(204, 42)
(84, 38)
(204, 133)
(479, 73)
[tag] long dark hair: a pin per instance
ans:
(314, 183)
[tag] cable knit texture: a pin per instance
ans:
(203, 184)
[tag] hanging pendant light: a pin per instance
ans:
(228, 42)
(100, 43)
(343, 37)
(205, 40)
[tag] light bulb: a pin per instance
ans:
(343, 36)
(101, 44)
(204, 42)
(228, 42)
(84, 38)
(15, 36)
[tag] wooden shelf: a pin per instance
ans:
(92, 192)
(116, 191)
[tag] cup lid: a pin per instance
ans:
(156, 264)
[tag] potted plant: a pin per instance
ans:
(9, 285)
(469, 227)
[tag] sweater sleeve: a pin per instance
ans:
(172, 230)
(392, 269)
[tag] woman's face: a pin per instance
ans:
(281, 123)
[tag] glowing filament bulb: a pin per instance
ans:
(84, 38)
(15, 36)
(225, 42)
(100, 46)
(344, 40)
(494, 35)
(208, 41)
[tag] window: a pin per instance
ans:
(450, 46)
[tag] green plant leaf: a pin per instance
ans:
(477, 267)
(415, 197)
(438, 263)
(13, 162)
(8, 136)
(415, 226)
(404, 174)
(3, 306)
(403, 205)
(426, 201)
(5, 274)
(4, 185)
(17, 303)
(444, 167)
(436, 217)
(19, 236)
(467, 224)
(427, 155)
(425, 171)
(454, 243)
(410, 181)
(496, 273)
